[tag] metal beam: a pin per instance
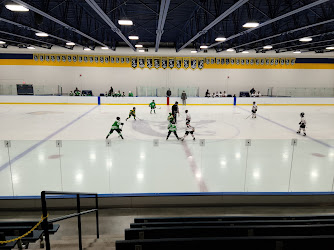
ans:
(161, 23)
(273, 20)
(30, 7)
(214, 22)
(12, 41)
(105, 18)
(34, 30)
(285, 32)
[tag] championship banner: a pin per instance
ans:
(91, 59)
(267, 61)
(75, 58)
(207, 60)
(272, 61)
(262, 61)
(222, 61)
(276, 62)
(164, 62)
(127, 59)
(227, 61)
(117, 60)
(36, 57)
(251, 61)
(149, 62)
(47, 58)
(287, 61)
(106, 59)
(96, 59)
(293, 61)
(282, 61)
(123, 60)
(41, 57)
(101, 59)
(193, 63)
(201, 63)
(179, 62)
(171, 62)
(112, 59)
(242, 61)
(247, 61)
(212, 60)
(186, 62)
(69, 58)
(53, 58)
(157, 62)
(64, 58)
(218, 61)
(141, 62)
(85, 58)
(134, 62)
(257, 62)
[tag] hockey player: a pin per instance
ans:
(302, 123)
(115, 127)
(254, 109)
(189, 130)
(172, 128)
(132, 113)
(170, 118)
(175, 110)
(152, 105)
(188, 117)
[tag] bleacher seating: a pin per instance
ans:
(13, 229)
(230, 232)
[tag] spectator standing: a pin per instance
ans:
(207, 93)
(111, 91)
(184, 97)
(252, 91)
(168, 93)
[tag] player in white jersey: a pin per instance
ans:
(189, 130)
(188, 117)
(302, 123)
(254, 109)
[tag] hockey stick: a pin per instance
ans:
(248, 116)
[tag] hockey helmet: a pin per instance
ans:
(118, 118)
(134, 107)
(186, 111)
(302, 114)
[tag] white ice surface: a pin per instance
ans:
(136, 165)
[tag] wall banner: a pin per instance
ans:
(164, 62)
(64, 58)
(106, 59)
(112, 59)
(141, 62)
(212, 60)
(267, 61)
(171, 62)
(235, 61)
(251, 61)
(101, 59)
(186, 62)
(157, 62)
(276, 61)
(257, 62)
(179, 62)
(53, 58)
(134, 62)
(287, 61)
(91, 59)
(201, 63)
(149, 62)
(85, 59)
(218, 61)
(75, 58)
(293, 61)
(123, 59)
(207, 60)
(127, 59)
(117, 60)
(36, 56)
(247, 61)
(282, 62)
(193, 63)
(41, 58)
(96, 59)
(227, 61)
(262, 61)
(47, 58)
(272, 61)
(222, 61)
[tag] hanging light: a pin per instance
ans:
(42, 34)
(251, 25)
(305, 39)
(268, 47)
(133, 37)
(125, 22)
(230, 50)
(220, 39)
(70, 43)
(30, 47)
(245, 52)
(193, 51)
(16, 7)
(204, 47)
(297, 52)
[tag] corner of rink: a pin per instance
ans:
(97, 100)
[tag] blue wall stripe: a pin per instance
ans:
(16, 56)
(315, 60)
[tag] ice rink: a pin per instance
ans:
(223, 162)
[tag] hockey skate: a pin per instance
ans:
(298, 132)
(304, 134)
(194, 139)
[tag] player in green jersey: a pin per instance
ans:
(132, 113)
(115, 127)
(172, 128)
(152, 105)
(170, 118)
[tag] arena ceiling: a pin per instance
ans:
(174, 24)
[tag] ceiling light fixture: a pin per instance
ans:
(42, 34)
(305, 39)
(220, 39)
(138, 46)
(297, 52)
(133, 37)
(87, 49)
(70, 43)
(268, 47)
(2, 42)
(105, 48)
(230, 50)
(193, 51)
(204, 47)
(16, 7)
(141, 50)
(250, 25)
(125, 22)
(30, 47)
(245, 52)
(329, 48)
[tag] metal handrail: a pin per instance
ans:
(78, 214)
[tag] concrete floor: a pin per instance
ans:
(114, 221)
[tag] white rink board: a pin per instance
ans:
(48, 99)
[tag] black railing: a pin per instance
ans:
(77, 214)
